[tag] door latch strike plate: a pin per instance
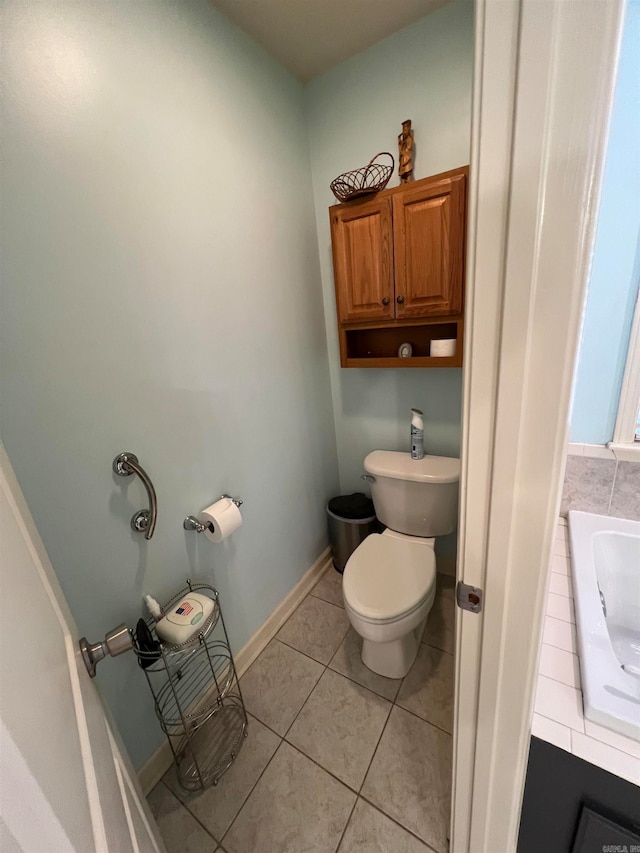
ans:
(469, 597)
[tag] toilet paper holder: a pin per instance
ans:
(193, 523)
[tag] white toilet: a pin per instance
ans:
(389, 582)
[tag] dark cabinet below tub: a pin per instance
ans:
(570, 806)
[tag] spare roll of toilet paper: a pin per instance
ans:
(222, 519)
(443, 347)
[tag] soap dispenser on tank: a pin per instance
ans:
(417, 434)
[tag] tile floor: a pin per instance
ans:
(338, 759)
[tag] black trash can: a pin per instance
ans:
(351, 519)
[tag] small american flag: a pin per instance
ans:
(184, 609)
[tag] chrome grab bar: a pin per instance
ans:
(124, 465)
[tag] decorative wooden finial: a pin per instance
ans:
(405, 148)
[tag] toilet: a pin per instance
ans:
(389, 582)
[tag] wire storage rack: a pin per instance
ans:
(197, 694)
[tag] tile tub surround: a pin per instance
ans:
(338, 759)
(558, 716)
(601, 484)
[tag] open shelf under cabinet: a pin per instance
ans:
(377, 346)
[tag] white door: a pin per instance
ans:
(543, 89)
(66, 785)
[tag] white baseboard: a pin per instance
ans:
(157, 765)
(267, 631)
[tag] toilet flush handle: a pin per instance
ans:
(368, 477)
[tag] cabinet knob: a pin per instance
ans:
(385, 301)
(400, 300)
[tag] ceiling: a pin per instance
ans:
(310, 36)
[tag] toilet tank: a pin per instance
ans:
(418, 497)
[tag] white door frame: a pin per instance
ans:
(57, 740)
(543, 90)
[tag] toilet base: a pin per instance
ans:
(394, 659)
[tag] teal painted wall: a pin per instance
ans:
(615, 272)
(425, 73)
(160, 294)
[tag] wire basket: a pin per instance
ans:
(367, 179)
(197, 695)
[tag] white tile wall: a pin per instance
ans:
(561, 547)
(560, 607)
(614, 739)
(559, 702)
(560, 584)
(595, 752)
(559, 665)
(560, 564)
(560, 634)
(552, 732)
(559, 717)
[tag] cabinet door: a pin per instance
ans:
(363, 260)
(428, 229)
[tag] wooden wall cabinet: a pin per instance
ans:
(398, 261)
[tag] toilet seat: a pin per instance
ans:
(389, 576)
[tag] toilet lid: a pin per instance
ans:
(386, 577)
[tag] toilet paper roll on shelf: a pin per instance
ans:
(443, 347)
(217, 521)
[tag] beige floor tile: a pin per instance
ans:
(216, 807)
(277, 684)
(427, 690)
(369, 831)
(410, 777)
(347, 660)
(316, 628)
(180, 831)
(295, 808)
(329, 587)
(162, 801)
(339, 727)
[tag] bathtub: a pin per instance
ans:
(605, 562)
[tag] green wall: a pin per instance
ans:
(164, 290)
(424, 73)
(160, 294)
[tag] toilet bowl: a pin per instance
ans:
(389, 582)
(389, 585)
